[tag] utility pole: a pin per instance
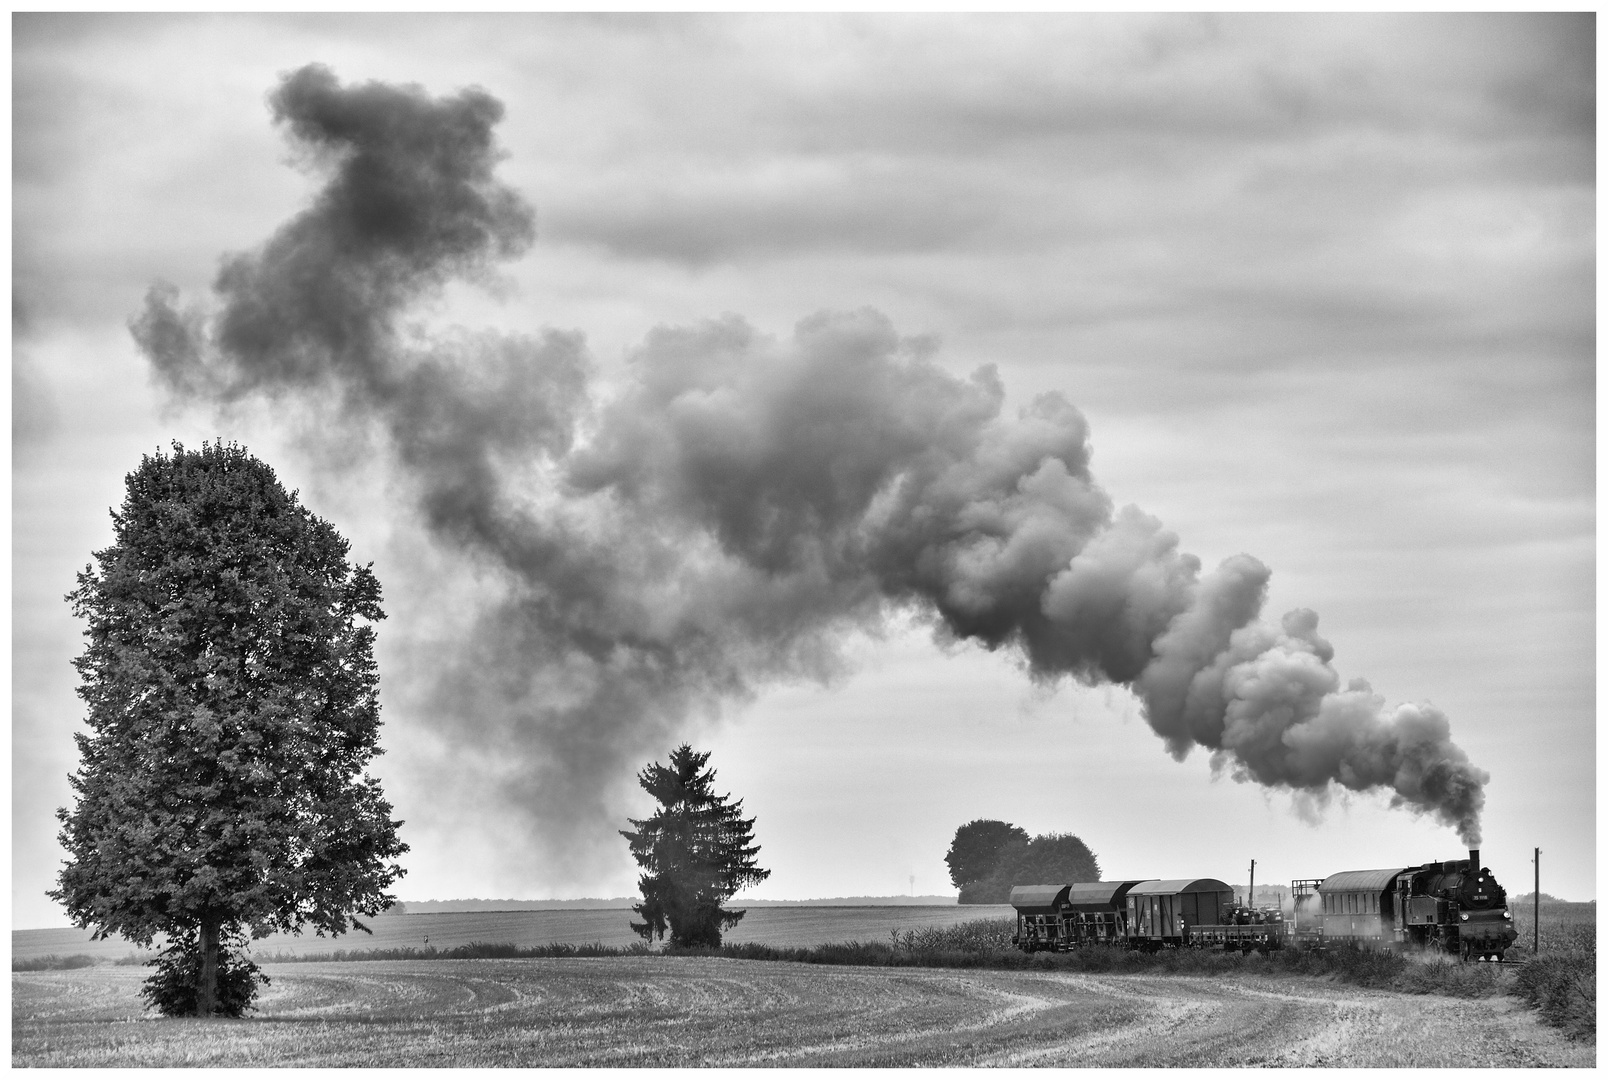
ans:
(1251, 900)
(1536, 899)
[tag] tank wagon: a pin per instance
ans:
(1455, 906)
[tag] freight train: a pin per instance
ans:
(1456, 907)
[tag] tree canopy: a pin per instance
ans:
(696, 852)
(975, 851)
(233, 707)
(987, 858)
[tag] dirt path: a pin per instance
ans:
(680, 1011)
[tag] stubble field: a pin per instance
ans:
(703, 1011)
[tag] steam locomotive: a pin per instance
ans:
(1456, 907)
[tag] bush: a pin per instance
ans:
(1448, 975)
(1563, 987)
(1364, 967)
(173, 988)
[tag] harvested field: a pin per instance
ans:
(789, 926)
(684, 1011)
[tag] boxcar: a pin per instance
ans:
(1161, 912)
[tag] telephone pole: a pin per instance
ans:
(1536, 900)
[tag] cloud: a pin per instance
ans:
(897, 134)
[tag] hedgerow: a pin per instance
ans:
(53, 962)
(475, 950)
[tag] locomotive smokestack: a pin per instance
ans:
(1474, 862)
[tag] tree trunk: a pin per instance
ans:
(206, 992)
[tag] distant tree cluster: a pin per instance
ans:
(988, 857)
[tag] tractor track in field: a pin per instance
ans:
(686, 1011)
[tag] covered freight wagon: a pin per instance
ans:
(1100, 909)
(1062, 917)
(1161, 912)
(1041, 912)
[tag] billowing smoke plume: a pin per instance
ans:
(744, 502)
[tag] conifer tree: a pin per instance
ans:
(696, 852)
(232, 710)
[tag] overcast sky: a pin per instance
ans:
(1322, 287)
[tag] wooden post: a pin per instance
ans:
(1536, 899)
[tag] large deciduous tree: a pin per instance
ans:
(988, 858)
(975, 850)
(696, 852)
(232, 710)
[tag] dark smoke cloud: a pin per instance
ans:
(736, 508)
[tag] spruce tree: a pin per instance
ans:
(696, 852)
(232, 710)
